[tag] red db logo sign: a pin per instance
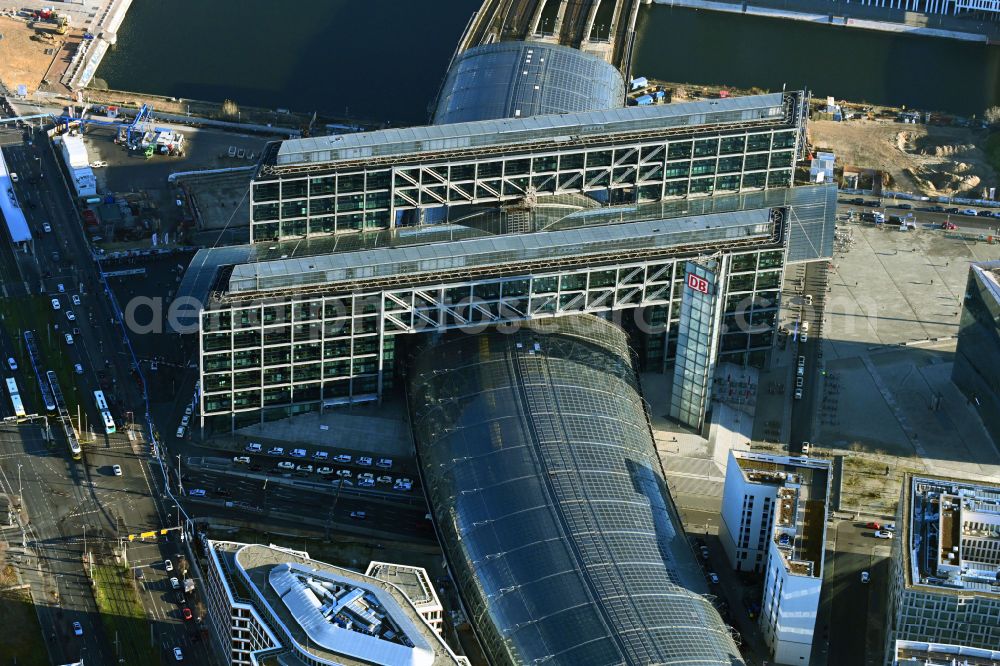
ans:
(697, 283)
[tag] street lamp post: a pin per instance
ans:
(19, 501)
(180, 486)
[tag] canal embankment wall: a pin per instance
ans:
(853, 15)
(103, 31)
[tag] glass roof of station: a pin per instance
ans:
(520, 79)
(542, 474)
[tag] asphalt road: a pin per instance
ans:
(804, 410)
(891, 207)
(849, 600)
(258, 496)
(66, 501)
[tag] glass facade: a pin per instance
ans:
(644, 161)
(270, 349)
(269, 360)
(977, 355)
(540, 466)
(696, 342)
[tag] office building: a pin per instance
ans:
(913, 653)
(945, 565)
(977, 356)
(415, 584)
(560, 535)
(774, 521)
(277, 607)
(308, 325)
(394, 178)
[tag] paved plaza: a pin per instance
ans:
(892, 313)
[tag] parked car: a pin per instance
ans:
(969, 211)
(252, 447)
(78, 369)
(364, 461)
(174, 583)
(874, 526)
(286, 464)
(11, 363)
(883, 534)
(77, 629)
(276, 451)
(297, 453)
(178, 654)
(321, 455)
(805, 448)
(241, 460)
(69, 338)
(366, 483)
(865, 577)
(70, 315)
(402, 484)
(344, 473)
(180, 431)
(168, 565)
(384, 463)
(304, 468)
(117, 469)
(75, 298)
(713, 578)
(55, 304)
(326, 471)
(342, 458)
(384, 479)
(358, 515)
(798, 394)
(197, 492)
(186, 613)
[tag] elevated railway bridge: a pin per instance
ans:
(605, 28)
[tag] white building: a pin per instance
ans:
(945, 566)
(272, 605)
(913, 653)
(74, 153)
(774, 521)
(415, 584)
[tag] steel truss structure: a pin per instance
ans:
(648, 163)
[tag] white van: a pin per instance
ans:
(805, 327)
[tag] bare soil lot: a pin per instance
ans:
(24, 61)
(931, 160)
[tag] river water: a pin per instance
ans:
(696, 46)
(384, 60)
(377, 60)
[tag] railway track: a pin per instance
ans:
(512, 20)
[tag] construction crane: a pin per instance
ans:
(144, 116)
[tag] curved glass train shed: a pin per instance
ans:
(521, 79)
(540, 465)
